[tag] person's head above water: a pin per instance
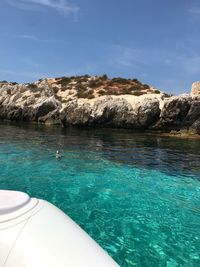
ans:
(58, 155)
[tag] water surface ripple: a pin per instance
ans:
(137, 195)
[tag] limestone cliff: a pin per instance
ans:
(86, 101)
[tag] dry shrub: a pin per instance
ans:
(55, 89)
(137, 93)
(85, 94)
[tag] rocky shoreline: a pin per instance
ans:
(98, 101)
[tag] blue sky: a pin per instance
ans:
(156, 41)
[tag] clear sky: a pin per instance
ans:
(156, 41)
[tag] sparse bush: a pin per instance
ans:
(156, 92)
(55, 89)
(102, 92)
(135, 88)
(3, 81)
(84, 78)
(150, 90)
(90, 96)
(146, 86)
(78, 77)
(167, 95)
(136, 81)
(79, 82)
(110, 83)
(85, 94)
(120, 80)
(104, 77)
(32, 86)
(79, 87)
(24, 97)
(127, 91)
(138, 93)
(94, 83)
(64, 81)
(112, 91)
(37, 94)
(8, 91)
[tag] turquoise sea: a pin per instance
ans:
(137, 195)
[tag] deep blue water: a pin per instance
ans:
(137, 195)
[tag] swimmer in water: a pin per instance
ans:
(58, 155)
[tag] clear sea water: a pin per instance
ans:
(137, 195)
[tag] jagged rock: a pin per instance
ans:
(110, 111)
(113, 112)
(196, 126)
(82, 101)
(44, 107)
(174, 112)
(27, 114)
(45, 89)
(194, 112)
(11, 112)
(51, 118)
(195, 88)
(75, 113)
(148, 112)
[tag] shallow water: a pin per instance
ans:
(137, 195)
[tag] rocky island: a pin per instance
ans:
(100, 101)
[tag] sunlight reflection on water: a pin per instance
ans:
(138, 196)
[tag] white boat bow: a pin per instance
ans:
(34, 232)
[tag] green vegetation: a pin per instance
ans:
(3, 81)
(135, 88)
(120, 80)
(136, 81)
(102, 92)
(79, 87)
(85, 94)
(84, 78)
(64, 81)
(86, 86)
(104, 77)
(146, 86)
(138, 93)
(12, 83)
(95, 83)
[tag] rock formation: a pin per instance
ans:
(99, 101)
(195, 88)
